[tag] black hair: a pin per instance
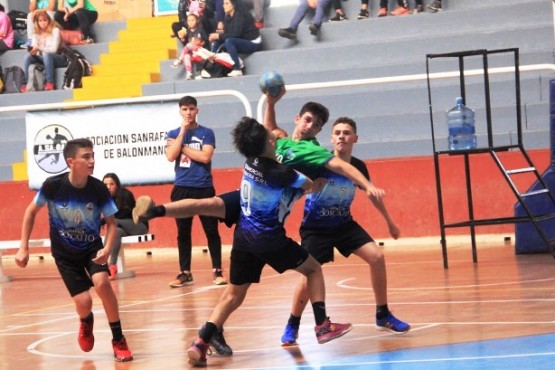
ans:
(316, 109)
(348, 121)
(114, 177)
(72, 146)
(2, 9)
(250, 137)
(187, 100)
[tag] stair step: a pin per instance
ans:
(108, 81)
(102, 93)
(138, 56)
(118, 47)
(520, 170)
(535, 192)
(102, 70)
(154, 22)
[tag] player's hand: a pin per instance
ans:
(374, 192)
(318, 184)
(394, 231)
(101, 257)
(272, 100)
(22, 257)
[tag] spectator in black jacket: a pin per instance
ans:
(125, 201)
(239, 35)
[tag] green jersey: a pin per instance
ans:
(305, 156)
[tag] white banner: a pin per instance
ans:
(128, 140)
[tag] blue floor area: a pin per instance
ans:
(523, 353)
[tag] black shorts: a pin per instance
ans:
(76, 269)
(346, 239)
(232, 203)
(246, 266)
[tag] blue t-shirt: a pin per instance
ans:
(74, 214)
(332, 206)
(268, 191)
(188, 172)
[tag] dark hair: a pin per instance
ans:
(187, 100)
(118, 196)
(114, 177)
(316, 109)
(347, 121)
(72, 146)
(2, 9)
(249, 137)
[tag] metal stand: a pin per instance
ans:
(471, 223)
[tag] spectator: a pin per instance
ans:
(320, 8)
(125, 201)
(257, 7)
(435, 6)
(190, 147)
(402, 8)
(204, 9)
(44, 49)
(339, 12)
(77, 14)
(6, 31)
(34, 6)
(239, 35)
(195, 38)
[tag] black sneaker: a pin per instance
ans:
(183, 279)
(219, 344)
(219, 277)
(435, 6)
(288, 33)
(417, 9)
(314, 29)
(338, 18)
(363, 14)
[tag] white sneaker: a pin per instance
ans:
(176, 63)
(199, 77)
(205, 74)
(189, 76)
(235, 73)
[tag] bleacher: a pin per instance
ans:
(393, 118)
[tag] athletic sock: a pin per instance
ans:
(319, 309)
(117, 334)
(89, 318)
(207, 331)
(382, 311)
(157, 211)
(294, 320)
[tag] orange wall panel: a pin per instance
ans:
(410, 198)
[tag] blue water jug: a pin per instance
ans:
(462, 132)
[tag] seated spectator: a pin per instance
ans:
(435, 6)
(320, 8)
(257, 7)
(6, 31)
(77, 14)
(402, 8)
(239, 35)
(44, 49)
(34, 5)
(204, 9)
(125, 201)
(195, 38)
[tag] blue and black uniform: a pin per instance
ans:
(75, 221)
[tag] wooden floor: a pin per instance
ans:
(498, 313)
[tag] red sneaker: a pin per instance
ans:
(23, 88)
(121, 351)
(330, 331)
(382, 12)
(197, 353)
(259, 24)
(400, 11)
(86, 337)
(49, 86)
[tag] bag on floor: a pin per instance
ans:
(71, 37)
(77, 67)
(36, 79)
(14, 78)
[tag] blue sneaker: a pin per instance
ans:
(392, 324)
(290, 335)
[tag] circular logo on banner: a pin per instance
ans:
(48, 148)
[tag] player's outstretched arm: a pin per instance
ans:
(349, 171)
(380, 206)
